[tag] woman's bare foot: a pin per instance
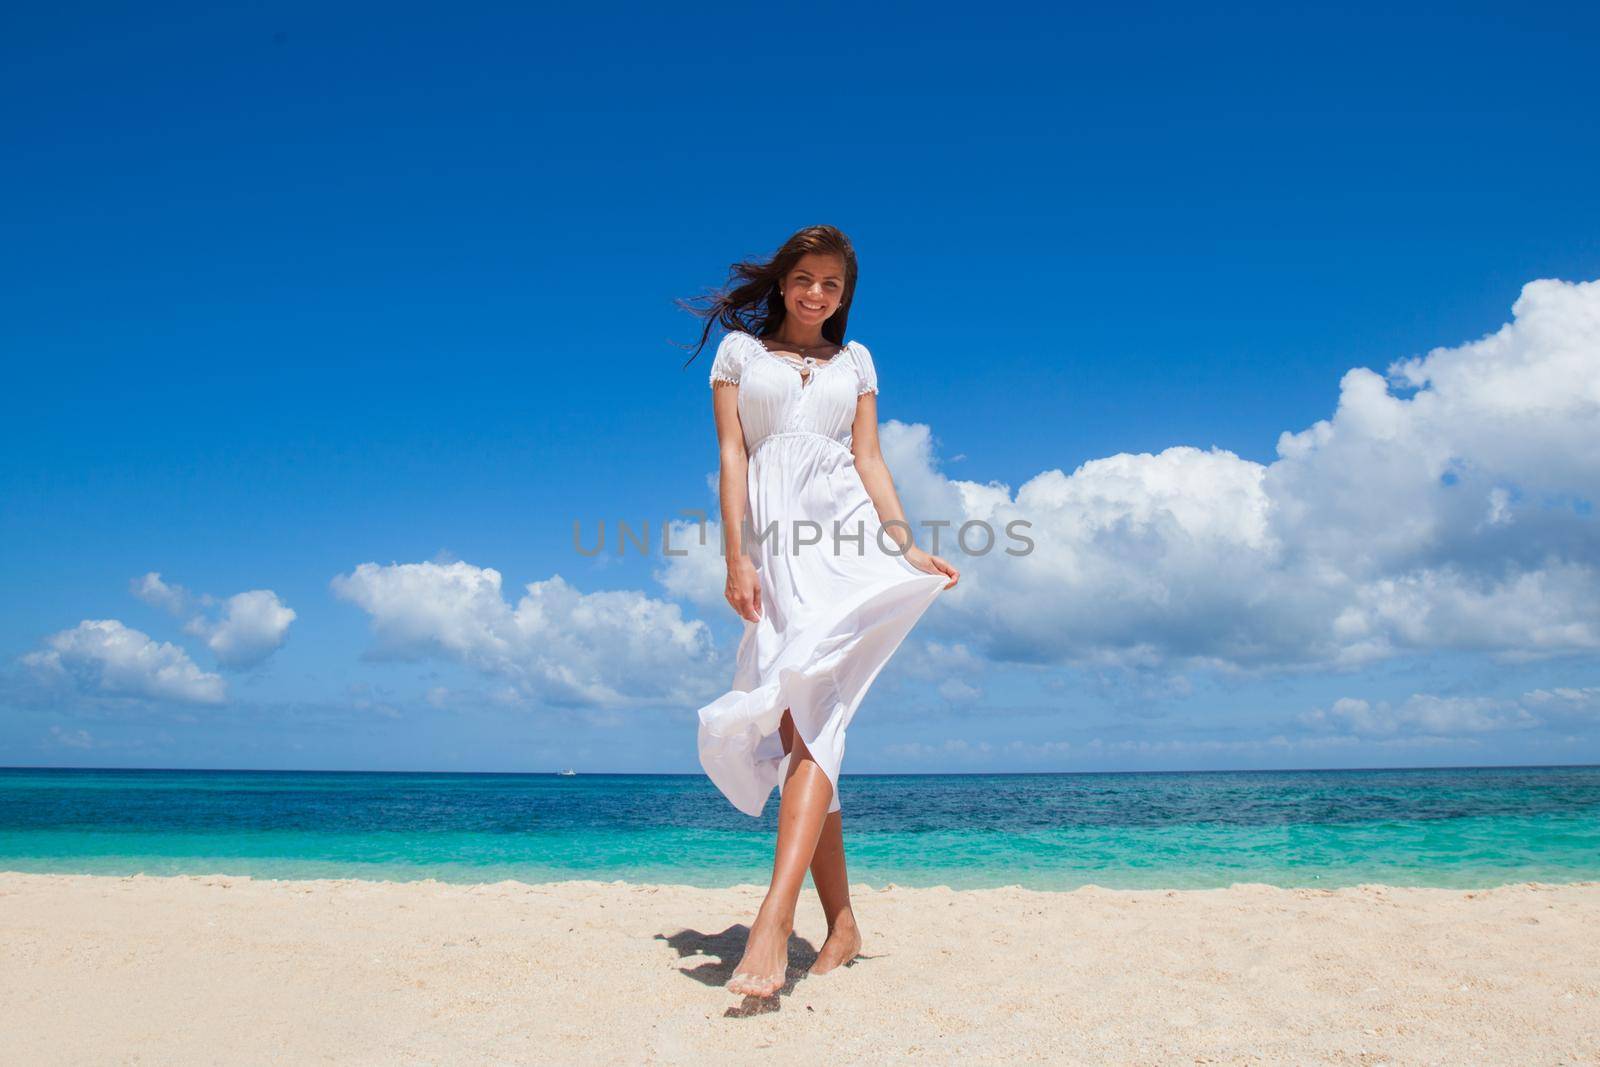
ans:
(765, 967)
(842, 946)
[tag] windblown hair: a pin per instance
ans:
(751, 300)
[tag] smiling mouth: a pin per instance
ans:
(811, 307)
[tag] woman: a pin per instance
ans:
(822, 567)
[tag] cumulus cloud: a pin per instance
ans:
(695, 570)
(252, 626)
(610, 649)
(1565, 703)
(161, 594)
(1422, 713)
(1425, 713)
(241, 630)
(102, 657)
(1444, 505)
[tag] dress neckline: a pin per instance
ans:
(793, 360)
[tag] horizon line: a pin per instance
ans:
(843, 774)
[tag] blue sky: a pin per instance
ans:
(293, 291)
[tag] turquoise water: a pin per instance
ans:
(1454, 827)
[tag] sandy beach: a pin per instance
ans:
(216, 969)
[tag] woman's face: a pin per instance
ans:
(813, 288)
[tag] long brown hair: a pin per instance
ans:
(751, 300)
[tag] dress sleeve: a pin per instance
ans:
(865, 371)
(729, 361)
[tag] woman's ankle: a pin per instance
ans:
(776, 917)
(844, 918)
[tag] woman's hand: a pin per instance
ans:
(932, 564)
(744, 588)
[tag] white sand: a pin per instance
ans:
(234, 970)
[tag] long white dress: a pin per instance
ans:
(833, 611)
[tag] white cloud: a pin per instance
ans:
(1187, 746)
(159, 594)
(1039, 749)
(1445, 506)
(1422, 713)
(1565, 702)
(248, 628)
(102, 657)
(1425, 713)
(956, 748)
(557, 645)
(253, 626)
(700, 574)
(1277, 744)
(1102, 752)
(957, 691)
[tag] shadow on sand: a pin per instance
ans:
(725, 950)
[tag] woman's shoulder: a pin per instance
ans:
(741, 341)
(733, 351)
(866, 370)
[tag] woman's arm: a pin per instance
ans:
(875, 472)
(743, 590)
(880, 488)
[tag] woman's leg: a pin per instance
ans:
(801, 813)
(833, 887)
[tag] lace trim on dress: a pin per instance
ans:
(728, 368)
(838, 357)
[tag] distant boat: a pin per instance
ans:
(568, 773)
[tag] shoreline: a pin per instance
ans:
(862, 887)
(208, 968)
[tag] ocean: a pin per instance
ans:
(1465, 828)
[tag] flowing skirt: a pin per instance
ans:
(832, 613)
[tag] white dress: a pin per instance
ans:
(830, 616)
